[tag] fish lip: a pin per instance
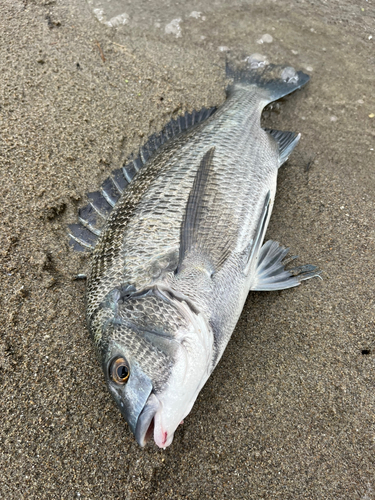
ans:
(143, 430)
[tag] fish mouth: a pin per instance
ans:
(146, 420)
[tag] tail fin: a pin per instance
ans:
(276, 80)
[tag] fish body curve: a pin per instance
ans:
(177, 244)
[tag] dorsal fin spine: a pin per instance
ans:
(104, 200)
(81, 242)
(116, 185)
(98, 211)
(142, 155)
(137, 164)
(108, 198)
(91, 228)
(126, 175)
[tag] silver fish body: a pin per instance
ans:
(180, 251)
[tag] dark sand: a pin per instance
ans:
(290, 411)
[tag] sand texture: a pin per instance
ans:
(289, 413)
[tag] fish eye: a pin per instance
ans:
(119, 371)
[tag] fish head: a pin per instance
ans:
(157, 354)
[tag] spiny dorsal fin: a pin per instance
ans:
(202, 244)
(287, 141)
(92, 217)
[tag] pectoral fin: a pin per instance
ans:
(206, 238)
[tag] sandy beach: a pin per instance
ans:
(289, 413)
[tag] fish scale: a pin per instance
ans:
(137, 243)
(179, 243)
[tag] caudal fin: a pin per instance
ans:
(276, 80)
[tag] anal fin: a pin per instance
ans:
(287, 141)
(271, 273)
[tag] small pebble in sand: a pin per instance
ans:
(223, 48)
(333, 118)
(119, 20)
(289, 74)
(257, 60)
(195, 14)
(266, 38)
(99, 14)
(371, 115)
(173, 28)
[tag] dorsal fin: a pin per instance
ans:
(92, 217)
(287, 141)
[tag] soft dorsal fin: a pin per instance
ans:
(93, 216)
(202, 244)
(287, 141)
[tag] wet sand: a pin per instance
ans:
(289, 413)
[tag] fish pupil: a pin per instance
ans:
(122, 372)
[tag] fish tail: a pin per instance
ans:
(275, 81)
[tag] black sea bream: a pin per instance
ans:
(176, 238)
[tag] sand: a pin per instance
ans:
(289, 413)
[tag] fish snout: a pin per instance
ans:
(146, 421)
(132, 397)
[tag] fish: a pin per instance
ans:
(176, 237)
